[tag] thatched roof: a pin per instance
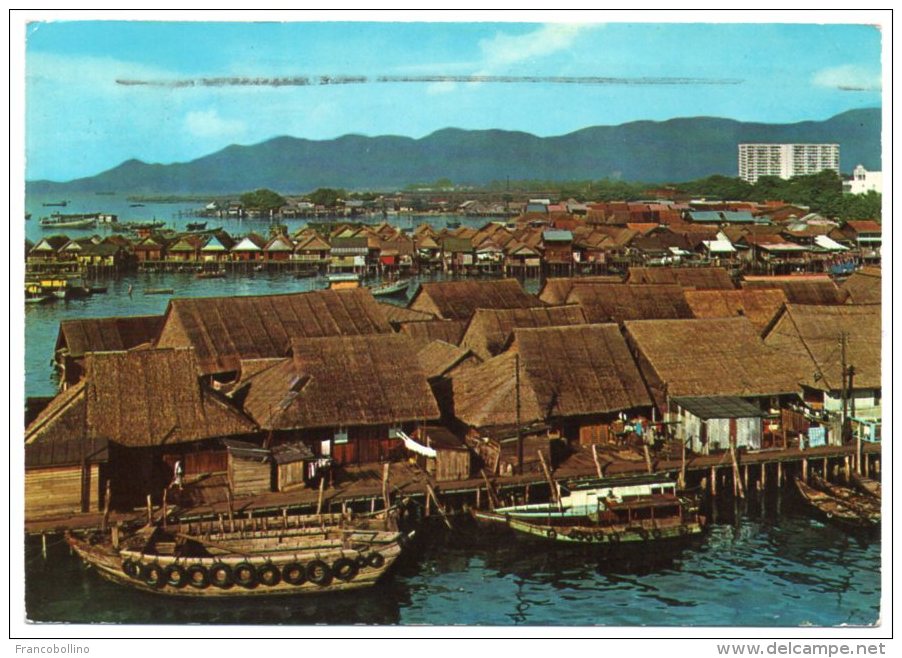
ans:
(395, 315)
(490, 329)
(555, 290)
(813, 332)
(341, 381)
(564, 372)
(864, 286)
(154, 397)
(700, 278)
(606, 302)
(450, 331)
(801, 289)
(458, 300)
(758, 305)
(107, 334)
(438, 358)
(224, 330)
(56, 436)
(712, 356)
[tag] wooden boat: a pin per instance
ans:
(867, 486)
(391, 288)
(62, 221)
(58, 204)
(158, 291)
(840, 511)
(608, 511)
(300, 557)
(37, 299)
(865, 504)
(196, 226)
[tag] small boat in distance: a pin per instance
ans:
(158, 291)
(305, 555)
(607, 511)
(57, 204)
(391, 288)
(56, 221)
(136, 205)
(217, 274)
(196, 226)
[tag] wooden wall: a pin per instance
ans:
(452, 465)
(248, 476)
(57, 490)
(291, 476)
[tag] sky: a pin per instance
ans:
(100, 92)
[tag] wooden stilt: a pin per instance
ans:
(106, 507)
(867, 465)
(877, 467)
(835, 472)
(478, 501)
(682, 479)
(713, 481)
(221, 524)
(438, 505)
(319, 498)
(231, 510)
(847, 469)
(115, 535)
(149, 511)
(779, 475)
(372, 505)
(805, 470)
(763, 476)
(526, 494)
(647, 457)
(43, 545)
(427, 506)
(595, 459)
(745, 476)
(555, 493)
(165, 505)
(824, 469)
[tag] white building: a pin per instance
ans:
(864, 181)
(786, 160)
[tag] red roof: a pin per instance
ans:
(865, 226)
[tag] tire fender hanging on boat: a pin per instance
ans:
(318, 572)
(220, 575)
(198, 576)
(245, 575)
(293, 574)
(269, 575)
(345, 569)
(175, 576)
(375, 560)
(152, 574)
(131, 568)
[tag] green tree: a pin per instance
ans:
(326, 196)
(263, 200)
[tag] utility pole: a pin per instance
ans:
(519, 425)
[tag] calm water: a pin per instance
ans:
(764, 570)
(769, 568)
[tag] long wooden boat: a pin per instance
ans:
(608, 511)
(840, 511)
(62, 222)
(866, 505)
(158, 291)
(196, 226)
(390, 289)
(286, 561)
(867, 486)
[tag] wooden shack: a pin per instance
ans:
(293, 462)
(711, 423)
(250, 468)
(446, 457)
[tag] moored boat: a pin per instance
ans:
(215, 274)
(303, 559)
(69, 221)
(867, 486)
(391, 288)
(607, 511)
(840, 511)
(196, 226)
(158, 291)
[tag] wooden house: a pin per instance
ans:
(866, 236)
(225, 330)
(446, 458)
(573, 382)
(150, 248)
(293, 463)
(46, 250)
(186, 248)
(345, 397)
(250, 470)
(457, 253)
(349, 254)
(759, 305)
(816, 334)
(78, 337)
(490, 330)
(864, 286)
(458, 300)
(613, 302)
(249, 248)
(715, 423)
(312, 250)
(216, 248)
(278, 248)
(146, 408)
(712, 356)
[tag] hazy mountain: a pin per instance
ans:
(666, 151)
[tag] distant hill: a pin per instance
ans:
(667, 151)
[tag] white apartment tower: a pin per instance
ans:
(786, 160)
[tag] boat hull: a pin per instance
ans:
(836, 510)
(117, 566)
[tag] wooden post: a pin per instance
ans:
(386, 492)
(847, 470)
(285, 518)
(763, 476)
(115, 535)
(526, 493)
(713, 481)
(438, 505)
(647, 457)
(165, 496)
(149, 511)
(682, 480)
(737, 480)
(43, 545)
(805, 470)
(319, 498)
(555, 494)
(221, 524)
(825, 467)
(231, 511)
(106, 507)
(489, 491)
(428, 510)
(779, 474)
(745, 476)
(372, 505)
(867, 466)
(877, 467)
(595, 459)
(478, 501)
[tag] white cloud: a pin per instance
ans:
(208, 123)
(848, 77)
(504, 49)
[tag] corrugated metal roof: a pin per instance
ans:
(707, 407)
(557, 235)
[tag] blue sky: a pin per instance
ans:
(80, 120)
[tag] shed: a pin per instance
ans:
(291, 465)
(717, 422)
(250, 468)
(442, 454)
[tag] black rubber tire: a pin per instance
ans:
(269, 575)
(220, 575)
(375, 560)
(245, 575)
(198, 576)
(318, 573)
(175, 570)
(614, 538)
(131, 568)
(152, 574)
(361, 561)
(294, 574)
(656, 533)
(598, 535)
(551, 534)
(344, 569)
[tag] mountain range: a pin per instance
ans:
(676, 150)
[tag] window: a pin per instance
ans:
(340, 436)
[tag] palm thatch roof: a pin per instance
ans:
(814, 333)
(564, 372)
(450, 331)
(341, 381)
(438, 358)
(224, 330)
(711, 356)
(154, 397)
(606, 302)
(107, 334)
(801, 289)
(700, 278)
(396, 315)
(864, 286)
(56, 437)
(758, 305)
(555, 290)
(490, 329)
(458, 300)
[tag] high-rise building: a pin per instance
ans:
(786, 160)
